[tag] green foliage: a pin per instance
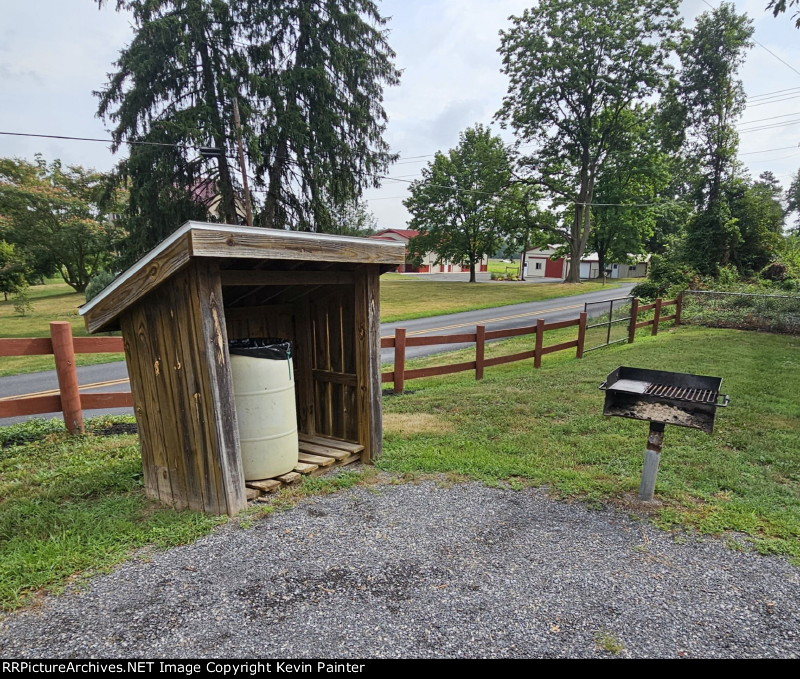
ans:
(353, 219)
(28, 431)
(98, 283)
(59, 215)
(793, 200)
(308, 76)
(453, 206)
(577, 72)
(712, 100)
(666, 277)
(22, 301)
(779, 6)
(12, 269)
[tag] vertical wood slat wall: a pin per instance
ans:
(176, 348)
(322, 329)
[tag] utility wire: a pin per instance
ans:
(109, 141)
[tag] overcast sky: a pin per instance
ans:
(55, 53)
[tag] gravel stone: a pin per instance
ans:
(419, 570)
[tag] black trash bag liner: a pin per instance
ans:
(274, 348)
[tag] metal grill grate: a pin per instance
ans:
(682, 393)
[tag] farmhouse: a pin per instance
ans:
(428, 263)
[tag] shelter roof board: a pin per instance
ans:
(222, 241)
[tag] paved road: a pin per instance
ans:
(108, 377)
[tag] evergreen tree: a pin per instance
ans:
(308, 78)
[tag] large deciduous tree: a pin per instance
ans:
(454, 204)
(574, 68)
(308, 77)
(712, 100)
(60, 215)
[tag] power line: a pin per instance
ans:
(772, 94)
(780, 148)
(108, 141)
(759, 120)
(770, 127)
(774, 101)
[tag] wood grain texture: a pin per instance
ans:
(67, 374)
(367, 352)
(288, 245)
(180, 379)
(113, 399)
(98, 345)
(104, 314)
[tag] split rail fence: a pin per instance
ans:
(71, 402)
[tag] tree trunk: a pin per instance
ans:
(472, 278)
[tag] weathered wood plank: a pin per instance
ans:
(367, 340)
(348, 446)
(265, 486)
(335, 377)
(318, 460)
(291, 245)
(233, 277)
(500, 360)
(322, 451)
(244, 313)
(251, 493)
(290, 478)
(304, 368)
(207, 309)
(144, 278)
(305, 467)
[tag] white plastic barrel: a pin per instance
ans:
(263, 391)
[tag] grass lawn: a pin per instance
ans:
(73, 506)
(546, 427)
(51, 302)
(411, 297)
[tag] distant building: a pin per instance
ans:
(540, 264)
(428, 263)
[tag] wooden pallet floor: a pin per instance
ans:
(318, 455)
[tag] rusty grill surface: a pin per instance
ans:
(682, 393)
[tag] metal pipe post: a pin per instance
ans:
(652, 456)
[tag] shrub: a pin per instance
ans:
(98, 284)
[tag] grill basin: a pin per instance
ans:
(658, 396)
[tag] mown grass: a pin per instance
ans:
(412, 297)
(545, 427)
(72, 506)
(51, 302)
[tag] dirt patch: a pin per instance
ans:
(408, 424)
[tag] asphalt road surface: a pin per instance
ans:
(109, 377)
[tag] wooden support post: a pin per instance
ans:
(480, 346)
(678, 309)
(581, 334)
(399, 360)
(657, 317)
(537, 355)
(634, 320)
(64, 352)
(652, 457)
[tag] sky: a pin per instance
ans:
(55, 53)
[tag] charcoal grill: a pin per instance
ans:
(662, 398)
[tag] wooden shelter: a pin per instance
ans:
(207, 283)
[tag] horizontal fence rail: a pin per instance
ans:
(68, 399)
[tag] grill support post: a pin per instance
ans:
(652, 456)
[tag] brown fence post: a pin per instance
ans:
(480, 345)
(581, 334)
(64, 352)
(537, 356)
(657, 317)
(634, 320)
(678, 308)
(399, 360)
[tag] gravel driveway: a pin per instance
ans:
(425, 571)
